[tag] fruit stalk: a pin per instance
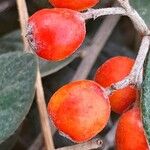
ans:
(95, 13)
(133, 77)
(125, 9)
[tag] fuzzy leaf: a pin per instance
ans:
(13, 42)
(145, 98)
(17, 87)
(48, 68)
(142, 6)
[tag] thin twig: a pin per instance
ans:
(93, 144)
(140, 79)
(133, 77)
(98, 43)
(23, 15)
(22, 8)
(95, 13)
(139, 24)
(43, 114)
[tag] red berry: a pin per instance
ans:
(80, 110)
(74, 4)
(112, 71)
(56, 33)
(130, 133)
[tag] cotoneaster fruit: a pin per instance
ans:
(112, 71)
(80, 110)
(74, 4)
(55, 34)
(130, 133)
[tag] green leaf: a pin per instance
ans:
(48, 68)
(17, 87)
(143, 8)
(145, 97)
(13, 42)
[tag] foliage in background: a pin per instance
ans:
(145, 98)
(17, 88)
(143, 8)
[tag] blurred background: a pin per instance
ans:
(122, 39)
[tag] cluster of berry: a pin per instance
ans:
(81, 109)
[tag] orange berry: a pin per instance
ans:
(112, 71)
(55, 34)
(74, 4)
(80, 110)
(130, 133)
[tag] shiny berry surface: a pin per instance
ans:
(130, 132)
(80, 110)
(74, 4)
(55, 34)
(112, 71)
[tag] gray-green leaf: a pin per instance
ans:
(47, 68)
(145, 98)
(17, 87)
(143, 8)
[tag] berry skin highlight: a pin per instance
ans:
(74, 4)
(130, 133)
(55, 34)
(113, 70)
(80, 110)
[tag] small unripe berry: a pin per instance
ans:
(74, 4)
(55, 34)
(80, 110)
(130, 133)
(112, 71)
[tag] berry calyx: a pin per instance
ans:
(80, 110)
(74, 4)
(130, 133)
(112, 71)
(55, 34)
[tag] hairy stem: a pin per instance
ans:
(95, 13)
(133, 77)
(125, 9)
